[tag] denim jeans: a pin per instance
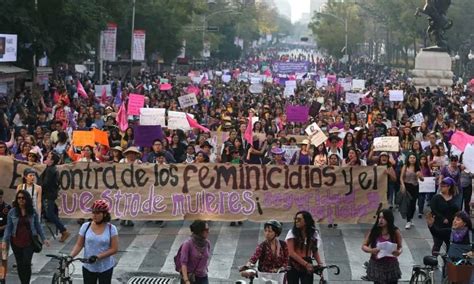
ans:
(52, 216)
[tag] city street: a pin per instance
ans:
(147, 250)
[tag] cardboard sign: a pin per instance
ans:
(418, 118)
(353, 98)
(290, 152)
(358, 84)
(152, 116)
(178, 120)
(182, 79)
(83, 138)
(146, 134)
(135, 102)
(256, 88)
(235, 192)
(468, 158)
(387, 144)
(101, 137)
(428, 185)
(396, 95)
(165, 87)
(98, 90)
(187, 100)
(316, 135)
(297, 113)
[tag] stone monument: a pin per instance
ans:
(433, 64)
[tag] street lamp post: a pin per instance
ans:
(131, 45)
(205, 26)
(346, 28)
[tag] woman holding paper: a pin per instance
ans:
(384, 244)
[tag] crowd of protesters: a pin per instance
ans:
(34, 125)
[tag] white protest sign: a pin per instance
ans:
(188, 100)
(425, 144)
(196, 79)
(152, 116)
(346, 86)
(323, 82)
(218, 73)
(427, 185)
(98, 90)
(290, 83)
(315, 134)
(226, 78)
(290, 152)
(358, 84)
(178, 120)
(256, 88)
(289, 91)
(418, 118)
(353, 98)
(320, 100)
(396, 95)
(255, 79)
(468, 158)
(386, 144)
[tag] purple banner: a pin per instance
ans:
(290, 67)
(297, 113)
(146, 134)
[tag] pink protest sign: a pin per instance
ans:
(297, 113)
(331, 78)
(135, 102)
(165, 87)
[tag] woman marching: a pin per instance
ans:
(383, 268)
(303, 242)
(22, 226)
(195, 254)
(99, 239)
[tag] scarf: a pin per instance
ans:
(199, 241)
(457, 235)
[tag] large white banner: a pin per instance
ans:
(8, 47)
(139, 45)
(108, 42)
(153, 116)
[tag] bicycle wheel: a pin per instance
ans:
(420, 277)
(56, 278)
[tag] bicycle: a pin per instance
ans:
(62, 275)
(252, 273)
(425, 275)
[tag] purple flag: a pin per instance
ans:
(146, 134)
(118, 96)
(297, 113)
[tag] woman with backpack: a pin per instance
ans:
(193, 255)
(99, 239)
(271, 254)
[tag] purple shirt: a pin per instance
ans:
(195, 261)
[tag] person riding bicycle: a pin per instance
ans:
(271, 254)
(457, 236)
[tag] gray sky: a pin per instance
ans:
(297, 8)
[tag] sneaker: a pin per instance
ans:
(64, 236)
(408, 226)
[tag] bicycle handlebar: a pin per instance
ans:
(67, 258)
(317, 269)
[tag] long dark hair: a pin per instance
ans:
(376, 230)
(30, 210)
(417, 161)
(310, 229)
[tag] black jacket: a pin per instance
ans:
(50, 183)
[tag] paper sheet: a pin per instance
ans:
(386, 249)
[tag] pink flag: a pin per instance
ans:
(248, 135)
(461, 139)
(165, 87)
(80, 90)
(193, 89)
(194, 124)
(122, 118)
(104, 95)
(268, 73)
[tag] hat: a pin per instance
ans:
(206, 144)
(334, 130)
(448, 181)
(28, 171)
(33, 151)
(334, 137)
(277, 151)
(132, 149)
(383, 154)
(117, 148)
(305, 142)
(358, 128)
(109, 107)
(415, 125)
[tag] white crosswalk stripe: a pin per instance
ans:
(181, 237)
(224, 251)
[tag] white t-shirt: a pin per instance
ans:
(316, 236)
